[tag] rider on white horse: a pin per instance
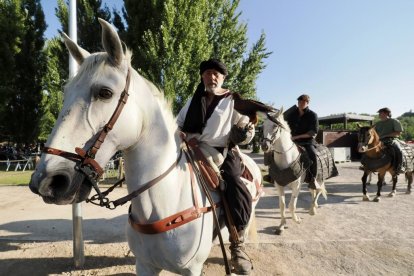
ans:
(304, 126)
(210, 116)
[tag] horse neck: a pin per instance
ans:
(375, 147)
(158, 142)
(285, 150)
(155, 151)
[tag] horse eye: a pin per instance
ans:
(105, 93)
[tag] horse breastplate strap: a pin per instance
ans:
(177, 219)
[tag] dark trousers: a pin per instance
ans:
(236, 193)
(311, 151)
(397, 154)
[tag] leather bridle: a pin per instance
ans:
(85, 159)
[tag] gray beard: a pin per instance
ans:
(217, 90)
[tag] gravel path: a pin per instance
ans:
(346, 237)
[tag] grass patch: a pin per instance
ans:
(15, 178)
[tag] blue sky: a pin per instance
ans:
(349, 56)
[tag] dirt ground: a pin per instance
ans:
(346, 237)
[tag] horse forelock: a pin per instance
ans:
(95, 64)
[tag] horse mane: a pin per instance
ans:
(280, 120)
(284, 123)
(165, 104)
(374, 134)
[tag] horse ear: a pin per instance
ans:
(78, 53)
(281, 110)
(111, 42)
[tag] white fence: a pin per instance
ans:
(19, 164)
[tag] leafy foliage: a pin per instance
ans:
(52, 88)
(22, 84)
(170, 38)
(407, 121)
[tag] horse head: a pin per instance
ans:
(273, 125)
(367, 138)
(91, 108)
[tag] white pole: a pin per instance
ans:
(78, 247)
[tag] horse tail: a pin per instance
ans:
(252, 229)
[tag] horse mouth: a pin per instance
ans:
(61, 189)
(362, 149)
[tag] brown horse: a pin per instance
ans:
(377, 159)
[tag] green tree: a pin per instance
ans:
(88, 28)
(26, 67)
(52, 88)
(407, 121)
(170, 38)
(12, 22)
(89, 37)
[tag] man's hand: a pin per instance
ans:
(182, 135)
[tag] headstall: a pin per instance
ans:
(85, 159)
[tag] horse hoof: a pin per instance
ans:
(365, 198)
(392, 194)
(298, 220)
(377, 199)
(408, 192)
(312, 212)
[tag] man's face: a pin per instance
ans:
(383, 115)
(302, 104)
(213, 80)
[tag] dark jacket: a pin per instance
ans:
(302, 124)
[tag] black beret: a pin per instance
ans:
(385, 110)
(304, 97)
(213, 64)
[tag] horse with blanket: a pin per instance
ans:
(378, 157)
(289, 165)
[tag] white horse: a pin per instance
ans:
(107, 94)
(278, 140)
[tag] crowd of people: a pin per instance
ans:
(15, 152)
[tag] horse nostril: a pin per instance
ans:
(33, 189)
(32, 184)
(59, 184)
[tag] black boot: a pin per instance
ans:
(240, 261)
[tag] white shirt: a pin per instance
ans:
(217, 129)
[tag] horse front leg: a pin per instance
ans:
(146, 269)
(381, 176)
(282, 207)
(364, 177)
(394, 185)
(294, 199)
